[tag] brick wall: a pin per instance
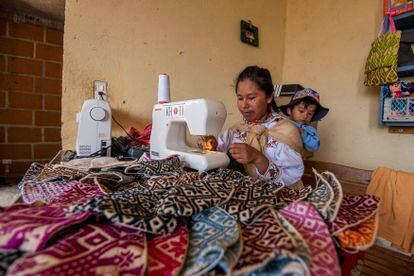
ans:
(30, 95)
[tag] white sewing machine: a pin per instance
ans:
(94, 130)
(168, 134)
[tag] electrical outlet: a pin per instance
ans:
(98, 87)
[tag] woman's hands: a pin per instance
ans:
(245, 154)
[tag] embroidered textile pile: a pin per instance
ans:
(155, 218)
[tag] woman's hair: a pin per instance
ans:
(262, 78)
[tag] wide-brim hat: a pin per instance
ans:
(307, 93)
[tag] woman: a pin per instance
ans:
(266, 144)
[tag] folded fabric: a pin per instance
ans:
(396, 218)
(86, 164)
(29, 228)
(359, 237)
(230, 258)
(289, 196)
(135, 208)
(196, 197)
(77, 193)
(50, 173)
(162, 182)
(212, 232)
(353, 211)
(304, 217)
(94, 249)
(166, 254)
(33, 171)
(322, 195)
(267, 241)
(44, 191)
(333, 207)
(109, 181)
(169, 166)
(251, 197)
(7, 257)
(381, 65)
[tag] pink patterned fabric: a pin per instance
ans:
(29, 228)
(44, 191)
(94, 249)
(353, 210)
(79, 192)
(304, 217)
(166, 254)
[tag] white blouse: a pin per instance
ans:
(285, 164)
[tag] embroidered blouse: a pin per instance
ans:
(285, 164)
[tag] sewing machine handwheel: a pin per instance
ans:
(97, 113)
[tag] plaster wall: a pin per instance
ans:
(128, 43)
(326, 47)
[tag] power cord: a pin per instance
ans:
(115, 120)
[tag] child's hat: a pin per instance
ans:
(307, 93)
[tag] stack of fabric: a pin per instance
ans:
(155, 218)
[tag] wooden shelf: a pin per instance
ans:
(401, 130)
(404, 21)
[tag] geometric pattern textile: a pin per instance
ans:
(263, 240)
(49, 173)
(252, 197)
(94, 249)
(108, 181)
(230, 258)
(7, 257)
(301, 251)
(304, 217)
(353, 210)
(134, 208)
(359, 237)
(333, 207)
(212, 232)
(169, 166)
(186, 178)
(33, 171)
(288, 195)
(77, 193)
(29, 228)
(322, 196)
(43, 191)
(166, 254)
(193, 198)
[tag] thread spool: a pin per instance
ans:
(163, 88)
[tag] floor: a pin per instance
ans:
(8, 194)
(381, 261)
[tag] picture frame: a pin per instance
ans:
(398, 5)
(249, 33)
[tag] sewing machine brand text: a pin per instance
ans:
(175, 111)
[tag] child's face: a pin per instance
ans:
(301, 114)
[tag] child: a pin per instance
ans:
(303, 108)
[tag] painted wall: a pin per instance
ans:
(128, 43)
(326, 49)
